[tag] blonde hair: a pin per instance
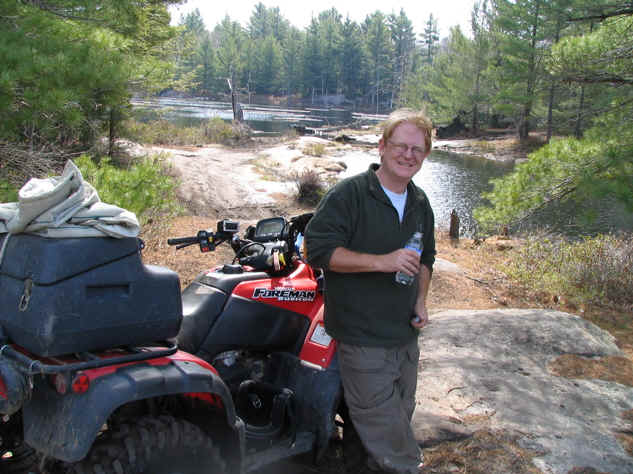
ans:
(416, 117)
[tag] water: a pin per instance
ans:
(261, 118)
(451, 181)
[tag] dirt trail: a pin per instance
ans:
(219, 181)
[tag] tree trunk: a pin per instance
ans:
(475, 123)
(111, 134)
(453, 230)
(581, 106)
(552, 89)
(524, 126)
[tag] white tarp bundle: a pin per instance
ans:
(65, 206)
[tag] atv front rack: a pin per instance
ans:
(34, 366)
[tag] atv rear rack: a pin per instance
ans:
(35, 366)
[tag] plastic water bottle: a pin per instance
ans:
(414, 243)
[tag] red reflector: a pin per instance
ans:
(81, 383)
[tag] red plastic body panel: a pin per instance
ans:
(295, 292)
(314, 352)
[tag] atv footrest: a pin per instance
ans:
(283, 449)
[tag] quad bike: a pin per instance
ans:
(250, 378)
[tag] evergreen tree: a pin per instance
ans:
(312, 60)
(598, 164)
(403, 39)
(482, 49)
(69, 67)
(329, 25)
(194, 56)
(430, 38)
(279, 26)
(522, 29)
(352, 58)
(379, 52)
(268, 61)
(230, 39)
(205, 76)
(259, 26)
(292, 51)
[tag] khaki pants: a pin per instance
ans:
(379, 386)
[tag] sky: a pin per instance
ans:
(299, 12)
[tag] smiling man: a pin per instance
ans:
(357, 237)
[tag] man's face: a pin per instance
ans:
(403, 153)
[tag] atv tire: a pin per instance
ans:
(152, 445)
(19, 460)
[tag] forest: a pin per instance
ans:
(563, 67)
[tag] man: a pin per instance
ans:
(357, 236)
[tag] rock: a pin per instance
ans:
(501, 243)
(319, 164)
(342, 138)
(442, 265)
(488, 369)
(334, 167)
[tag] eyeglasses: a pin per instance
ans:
(401, 149)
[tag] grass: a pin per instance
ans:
(163, 132)
(268, 168)
(314, 149)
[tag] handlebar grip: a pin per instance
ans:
(182, 240)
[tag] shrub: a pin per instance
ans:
(595, 270)
(144, 188)
(314, 149)
(310, 187)
(8, 192)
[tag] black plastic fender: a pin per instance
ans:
(318, 393)
(65, 426)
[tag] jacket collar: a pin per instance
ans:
(375, 188)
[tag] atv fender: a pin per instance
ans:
(65, 426)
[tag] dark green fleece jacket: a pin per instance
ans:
(368, 309)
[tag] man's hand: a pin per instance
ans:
(348, 261)
(401, 260)
(421, 317)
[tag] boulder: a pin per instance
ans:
(492, 370)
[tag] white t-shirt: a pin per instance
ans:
(398, 200)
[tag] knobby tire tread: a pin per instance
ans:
(129, 447)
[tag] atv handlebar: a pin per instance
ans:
(275, 251)
(183, 240)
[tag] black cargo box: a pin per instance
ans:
(59, 296)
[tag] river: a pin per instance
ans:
(451, 181)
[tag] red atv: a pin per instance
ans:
(92, 379)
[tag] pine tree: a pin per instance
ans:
(352, 59)
(430, 38)
(403, 39)
(379, 52)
